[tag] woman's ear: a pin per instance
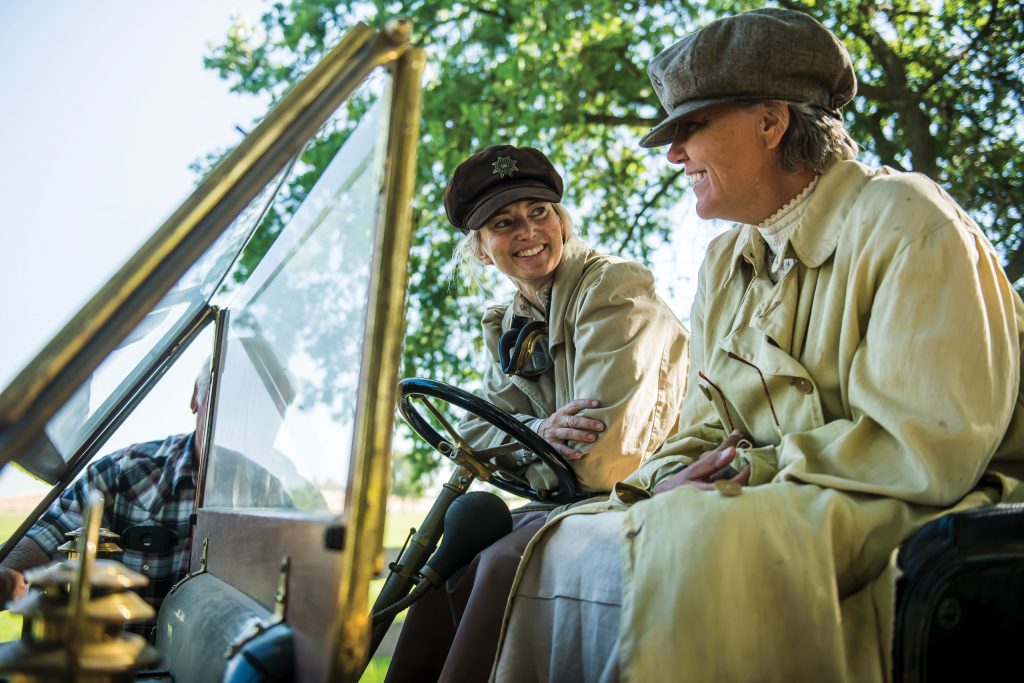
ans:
(483, 258)
(773, 122)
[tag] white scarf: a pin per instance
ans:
(778, 228)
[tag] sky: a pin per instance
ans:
(103, 106)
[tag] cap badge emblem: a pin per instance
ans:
(505, 166)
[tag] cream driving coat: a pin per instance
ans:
(879, 384)
(611, 338)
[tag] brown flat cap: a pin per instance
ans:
(775, 54)
(494, 177)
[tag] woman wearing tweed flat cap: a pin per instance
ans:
(603, 385)
(856, 358)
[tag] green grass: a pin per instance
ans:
(396, 530)
(397, 525)
(10, 624)
(376, 670)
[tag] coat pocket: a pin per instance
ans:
(773, 392)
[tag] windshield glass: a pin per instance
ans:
(286, 405)
(109, 383)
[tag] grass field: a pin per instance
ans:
(396, 529)
(10, 625)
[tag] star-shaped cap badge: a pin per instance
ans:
(505, 166)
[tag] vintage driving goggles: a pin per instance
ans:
(523, 349)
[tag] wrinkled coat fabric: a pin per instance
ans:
(879, 382)
(611, 338)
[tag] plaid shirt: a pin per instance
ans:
(147, 483)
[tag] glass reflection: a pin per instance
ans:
(107, 385)
(286, 405)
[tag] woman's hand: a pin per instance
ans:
(708, 468)
(565, 425)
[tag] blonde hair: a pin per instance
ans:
(467, 254)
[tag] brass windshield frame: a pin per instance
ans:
(43, 386)
(369, 481)
(39, 391)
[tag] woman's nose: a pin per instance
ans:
(677, 152)
(525, 228)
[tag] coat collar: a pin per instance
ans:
(575, 257)
(815, 240)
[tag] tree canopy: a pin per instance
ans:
(939, 91)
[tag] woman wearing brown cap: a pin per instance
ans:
(856, 358)
(603, 385)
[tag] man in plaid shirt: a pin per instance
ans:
(146, 484)
(150, 483)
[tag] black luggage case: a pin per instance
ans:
(960, 601)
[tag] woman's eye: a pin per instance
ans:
(688, 127)
(501, 224)
(539, 211)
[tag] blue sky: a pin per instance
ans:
(103, 105)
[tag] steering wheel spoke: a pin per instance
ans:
(482, 462)
(458, 439)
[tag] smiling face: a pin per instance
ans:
(524, 240)
(731, 156)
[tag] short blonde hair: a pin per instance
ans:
(467, 252)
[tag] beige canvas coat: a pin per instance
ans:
(891, 355)
(611, 338)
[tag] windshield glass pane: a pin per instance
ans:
(70, 426)
(286, 407)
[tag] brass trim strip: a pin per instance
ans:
(81, 586)
(53, 375)
(201, 570)
(370, 475)
(221, 318)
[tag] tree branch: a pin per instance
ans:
(648, 203)
(978, 39)
(432, 29)
(908, 103)
(880, 92)
(883, 146)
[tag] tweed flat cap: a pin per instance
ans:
(764, 54)
(495, 177)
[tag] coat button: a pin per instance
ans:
(803, 385)
(728, 488)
